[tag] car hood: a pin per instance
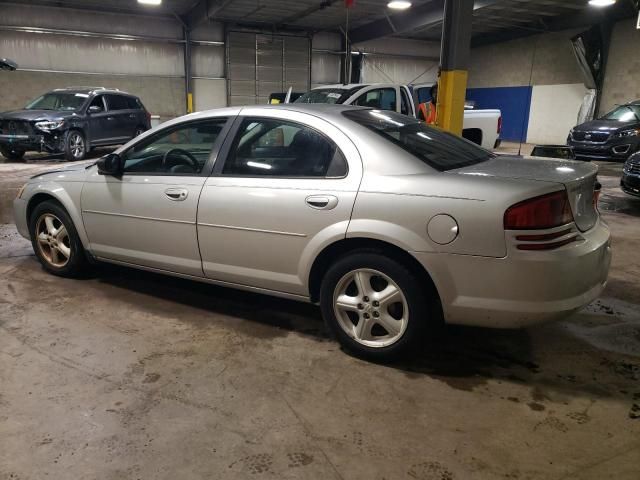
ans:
(33, 115)
(578, 178)
(605, 126)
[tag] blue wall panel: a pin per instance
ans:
(513, 102)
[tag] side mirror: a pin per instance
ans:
(95, 109)
(110, 164)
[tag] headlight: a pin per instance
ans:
(49, 125)
(19, 195)
(628, 133)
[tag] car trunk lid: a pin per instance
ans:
(578, 178)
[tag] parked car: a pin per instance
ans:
(390, 225)
(482, 127)
(615, 136)
(630, 181)
(72, 121)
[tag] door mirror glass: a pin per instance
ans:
(95, 109)
(110, 164)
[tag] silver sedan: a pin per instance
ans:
(393, 227)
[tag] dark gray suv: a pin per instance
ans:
(72, 121)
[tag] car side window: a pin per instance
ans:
(265, 147)
(98, 101)
(117, 102)
(132, 103)
(379, 98)
(179, 150)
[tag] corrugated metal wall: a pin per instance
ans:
(76, 47)
(259, 64)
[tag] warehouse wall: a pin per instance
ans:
(397, 60)
(325, 67)
(622, 80)
(544, 113)
(152, 68)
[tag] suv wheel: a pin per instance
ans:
(74, 145)
(374, 305)
(55, 241)
(12, 153)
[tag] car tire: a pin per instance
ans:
(391, 328)
(75, 145)
(13, 154)
(56, 242)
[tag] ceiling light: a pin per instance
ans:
(150, 2)
(601, 3)
(399, 5)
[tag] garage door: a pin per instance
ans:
(259, 65)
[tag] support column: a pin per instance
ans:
(454, 61)
(187, 69)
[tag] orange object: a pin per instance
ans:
(428, 112)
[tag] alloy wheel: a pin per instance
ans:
(53, 239)
(76, 145)
(371, 308)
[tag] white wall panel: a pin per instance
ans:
(325, 69)
(400, 46)
(554, 110)
(377, 69)
(208, 94)
(95, 55)
(207, 61)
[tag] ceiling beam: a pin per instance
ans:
(421, 16)
(586, 18)
(203, 11)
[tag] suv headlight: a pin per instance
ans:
(49, 125)
(628, 133)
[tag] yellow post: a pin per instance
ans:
(189, 102)
(452, 91)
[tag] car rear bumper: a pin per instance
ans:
(523, 288)
(20, 217)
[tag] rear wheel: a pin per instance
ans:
(75, 147)
(374, 305)
(12, 153)
(56, 242)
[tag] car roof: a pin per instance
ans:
(89, 90)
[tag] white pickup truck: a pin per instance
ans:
(480, 126)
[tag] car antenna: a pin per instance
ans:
(525, 117)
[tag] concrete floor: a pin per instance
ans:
(132, 375)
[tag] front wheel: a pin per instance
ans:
(12, 153)
(75, 147)
(374, 305)
(56, 242)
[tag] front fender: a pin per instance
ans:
(67, 194)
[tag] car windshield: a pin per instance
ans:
(325, 95)
(58, 101)
(624, 113)
(438, 149)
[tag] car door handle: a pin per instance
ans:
(322, 202)
(176, 194)
(110, 118)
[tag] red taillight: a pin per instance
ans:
(499, 125)
(546, 211)
(149, 118)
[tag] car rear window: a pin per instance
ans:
(438, 149)
(327, 95)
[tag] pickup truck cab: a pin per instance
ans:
(480, 126)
